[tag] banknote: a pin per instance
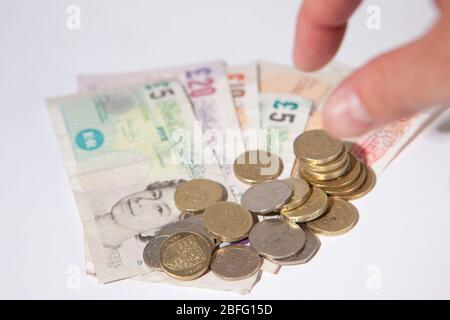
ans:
(244, 88)
(316, 86)
(211, 281)
(378, 147)
(285, 116)
(125, 157)
(208, 88)
(207, 281)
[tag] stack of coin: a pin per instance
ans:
(186, 249)
(314, 206)
(325, 162)
(296, 202)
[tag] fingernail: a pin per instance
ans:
(345, 116)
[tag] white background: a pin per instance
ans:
(403, 232)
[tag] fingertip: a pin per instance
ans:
(315, 45)
(305, 63)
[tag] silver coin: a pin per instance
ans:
(312, 245)
(277, 238)
(235, 262)
(151, 252)
(178, 226)
(187, 225)
(197, 220)
(274, 215)
(267, 197)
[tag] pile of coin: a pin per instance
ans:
(296, 202)
(279, 217)
(326, 163)
(188, 248)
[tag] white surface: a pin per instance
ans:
(404, 223)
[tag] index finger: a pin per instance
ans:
(320, 28)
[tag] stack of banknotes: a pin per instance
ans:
(129, 140)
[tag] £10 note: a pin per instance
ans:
(244, 88)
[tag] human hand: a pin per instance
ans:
(399, 83)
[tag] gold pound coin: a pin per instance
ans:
(339, 219)
(195, 195)
(314, 207)
(366, 187)
(348, 189)
(256, 166)
(353, 171)
(229, 221)
(329, 175)
(317, 147)
(302, 191)
(185, 255)
(334, 165)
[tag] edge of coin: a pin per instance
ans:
(326, 175)
(363, 190)
(316, 161)
(339, 162)
(342, 231)
(300, 201)
(355, 185)
(316, 214)
(286, 261)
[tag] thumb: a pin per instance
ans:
(394, 85)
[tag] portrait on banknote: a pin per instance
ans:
(139, 215)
